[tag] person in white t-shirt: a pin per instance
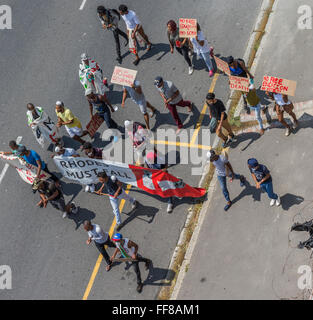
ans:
(133, 26)
(201, 48)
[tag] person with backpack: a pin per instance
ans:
(109, 19)
(238, 68)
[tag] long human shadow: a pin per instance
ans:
(288, 200)
(252, 136)
(248, 190)
(156, 49)
(82, 215)
(159, 274)
(163, 116)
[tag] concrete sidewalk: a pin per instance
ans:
(249, 252)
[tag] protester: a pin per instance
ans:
(253, 101)
(33, 158)
(201, 48)
(101, 239)
(217, 110)
(155, 161)
(64, 152)
(71, 123)
(139, 137)
(262, 178)
(116, 192)
(238, 68)
(91, 75)
(224, 169)
(129, 249)
(109, 19)
(14, 146)
(133, 26)
(282, 104)
(136, 94)
(181, 44)
(172, 98)
(50, 192)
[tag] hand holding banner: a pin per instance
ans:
(123, 76)
(187, 28)
(222, 65)
(238, 83)
(279, 85)
(94, 124)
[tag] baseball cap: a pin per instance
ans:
(59, 103)
(252, 162)
(88, 91)
(20, 150)
(158, 80)
(251, 87)
(127, 123)
(210, 154)
(57, 149)
(136, 83)
(84, 56)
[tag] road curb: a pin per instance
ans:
(234, 98)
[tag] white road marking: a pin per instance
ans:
(6, 166)
(82, 5)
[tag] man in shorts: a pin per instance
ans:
(49, 192)
(282, 103)
(71, 123)
(138, 97)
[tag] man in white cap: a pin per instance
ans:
(223, 167)
(60, 151)
(91, 75)
(71, 123)
(136, 94)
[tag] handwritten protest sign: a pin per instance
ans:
(187, 28)
(238, 83)
(222, 65)
(279, 85)
(123, 76)
(94, 124)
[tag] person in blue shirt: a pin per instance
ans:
(14, 146)
(262, 178)
(33, 158)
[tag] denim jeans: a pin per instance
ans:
(257, 110)
(106, 116)
(268, 188)
(207, 59)
(114, 204)
(222, 181)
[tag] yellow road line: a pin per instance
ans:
(198, 125)
(181, 144)
(97, 265)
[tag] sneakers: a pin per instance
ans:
(147, 264)
(87, 188)
(295, 124)
(231, 139)
(169, 208)
(211, 73)
(277, 202)
(242, 181)
(287, 132)
(119, 59)
(224, 145)
(272, 202)
(228, 205)
(134, 205)
(65, 215)
(189, 53)
(90, 188)
(190, 70)
(74, 209)
(139, 287)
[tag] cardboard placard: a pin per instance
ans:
(279, 85)
(238, 83)
(94, 124)
(187, 28)
(222, 65)
(123, 76)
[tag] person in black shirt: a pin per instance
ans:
(49, 192)
(109, 20)
(217, 110)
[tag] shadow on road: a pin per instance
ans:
(249, 190)
(82, 215)
(157, 274)
(252, 136)
(288, 200)
(156, 49)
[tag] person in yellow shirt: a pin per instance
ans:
(71, 123)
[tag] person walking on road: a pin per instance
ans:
(263, 180)
(71, 123)
(109, 19)
(115, 191)
(129, 249)
(60, 151)
(181, 44)
(136, 94)
(133, 26)
(201, 48)
(49, 192)
(172, 98)
(217, 110)
(223, 170)
(282, 104)
(101, 239)
(14, 147)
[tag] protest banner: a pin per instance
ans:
(187, 28)
(94, 124)
(26, 171)
(123, 76)
(85, 170)
(222, 65)
(238, 83)
(279, 85)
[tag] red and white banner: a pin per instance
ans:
(26, 171)
(85, 170)
(279, 85)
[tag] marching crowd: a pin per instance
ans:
(92, 79)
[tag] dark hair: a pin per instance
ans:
(230, 59)
(30, 104)
(198, 27)
(12, 144)
(87, 145)
(102, 175)
(101, 9)
(123, 8)
(210, 96)
(172, 24)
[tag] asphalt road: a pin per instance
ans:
(40, 59)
